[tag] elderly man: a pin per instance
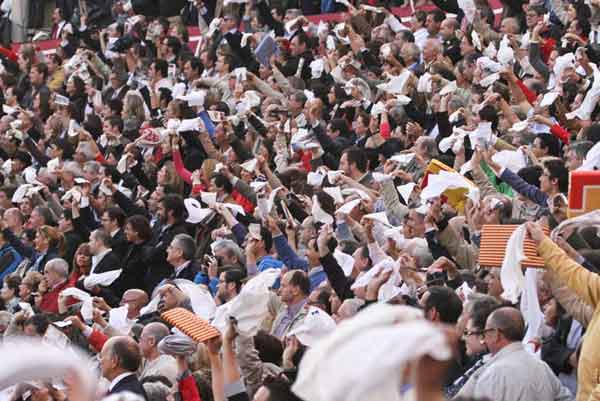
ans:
(155, 363)
(294, 292)
(119, 361)
(56, 273)
(511, 373)
(180, 255)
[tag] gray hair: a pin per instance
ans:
(102, 236)
(232, 249)
(187, 245)
(418, 248)
(430, 145)
(156, 391)
(58, 266)
(92, 166)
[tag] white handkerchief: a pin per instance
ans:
(319, 214)
(210, 198)
(196, 213)
(489, 80)
(403, 158)
(335, 193)
(348, 207)
(451, 87)
(405, 190)
(380, 177)
(380, 217)
(194, 98)
(249, 165)
(315, 179)
(333, 175)
(237, 209)
(192, 124)
(549, 98)
(117, 318)
(103, 279)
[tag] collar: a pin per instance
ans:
(98, 258)
(113, 233)
(180, 268)
(294, 309)
(509, 349)
(118, 379)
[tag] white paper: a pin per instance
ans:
(405, 190)
(319, 214)
(249, 165)
(348, 207)
(335, 193)
(101, 279)
(380, 217)
(194, 98)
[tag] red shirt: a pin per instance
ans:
(49, 302)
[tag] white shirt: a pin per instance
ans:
(98, 258)
(180, 268)
(163, 83)
(118, 379)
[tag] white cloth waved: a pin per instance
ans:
(511, 275)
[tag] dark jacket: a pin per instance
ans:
(129, 383)
(110, 261)
(119, 243)
(137, 262)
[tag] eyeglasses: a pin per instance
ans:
(491, 329)
(468, 333)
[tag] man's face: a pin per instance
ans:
(35, 220)
(107, 361)
(433, 27)
(473, 339)
(146, 344)
(296, 47)
(287, 291)
(531, 19)
(414, 226)
(161, 212)
(95, 245)
(173, 252)
(188, 72)
(51, 277)
(573, 162)
(545, 181)
(344, 165)
(430, 51)
(222, 290)
(56, 16)
(447, 29)
(35, 77)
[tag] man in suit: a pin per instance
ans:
(59, 24)
(113, 220)
(120, 359)
(180, 254)
(118, 86)
(103, 257)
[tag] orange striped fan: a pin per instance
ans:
(494, 238)
(191, 325)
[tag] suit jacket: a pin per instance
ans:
(119, 244)
(110, 261)
(129, 383)
(189, 273)
(110, 92)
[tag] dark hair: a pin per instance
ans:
(550, 142)
(128, 354)
(115, 121)
(531, 174)
(339, 124)
(357, 156)
(407, 36)
(103, 236)
(141, 226)
(161, 66)
(12, 282)
(196, 64)
(267, 238)
(41, 68)
(115, 105)
(504, 320)
(174, 203)
(223, 182)
(280, 389)
(300, 280)
(116, 213)
(438, 15)
(490, 114)
(558, 171)
(40, 322)
(324, 299)
(481, 310)
(538, 9)
(270, 348)
(446, 302)
(592, 133)
(234, 276)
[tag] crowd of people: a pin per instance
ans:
(320, 192)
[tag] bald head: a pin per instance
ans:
(136, 299)
(509, 322)
(156, 331)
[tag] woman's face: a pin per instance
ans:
(473, 339)
(25, 207)
(83, 260)
(130, 233)
(551, 313)
(331, 96)
(40, 242)
(6, 293)
(24, 291)
(71, 88)
(36, 102)
(162, 176)
(494, 285)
